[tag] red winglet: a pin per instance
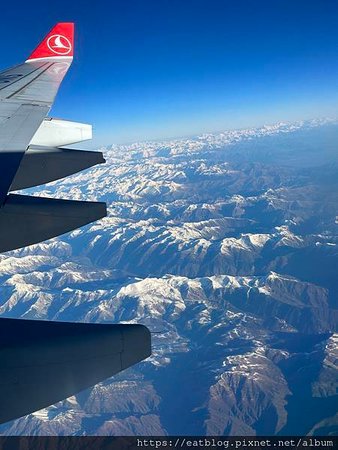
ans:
(59, 43)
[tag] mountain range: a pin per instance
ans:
(225, 246)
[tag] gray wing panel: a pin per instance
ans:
(34, 82)
(17, 76)
(20, 127)
(15, 134)
(26, 95)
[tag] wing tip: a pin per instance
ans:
(58, 43)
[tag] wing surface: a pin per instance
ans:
(27, 92)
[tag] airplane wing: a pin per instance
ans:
(43, 362)
(27, 92)
(30, 152)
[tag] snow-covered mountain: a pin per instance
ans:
(225, 246)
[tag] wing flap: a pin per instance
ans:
(58, 133)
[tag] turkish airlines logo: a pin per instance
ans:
(59, 44)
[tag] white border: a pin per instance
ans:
(46, 58)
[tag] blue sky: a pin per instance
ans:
(150, 69)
